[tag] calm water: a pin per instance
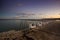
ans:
(6, 25)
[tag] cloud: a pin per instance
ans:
(23, 14)
(59, 13)
(31, 16)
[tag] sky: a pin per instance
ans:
(29, 9)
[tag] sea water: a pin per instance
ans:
(6, 25)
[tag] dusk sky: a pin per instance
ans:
(29, 9)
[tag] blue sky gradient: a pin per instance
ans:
(29, 9)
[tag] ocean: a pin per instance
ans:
(6, 25)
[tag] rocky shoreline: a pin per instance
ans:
(33, 34)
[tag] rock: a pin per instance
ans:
(33, 34)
